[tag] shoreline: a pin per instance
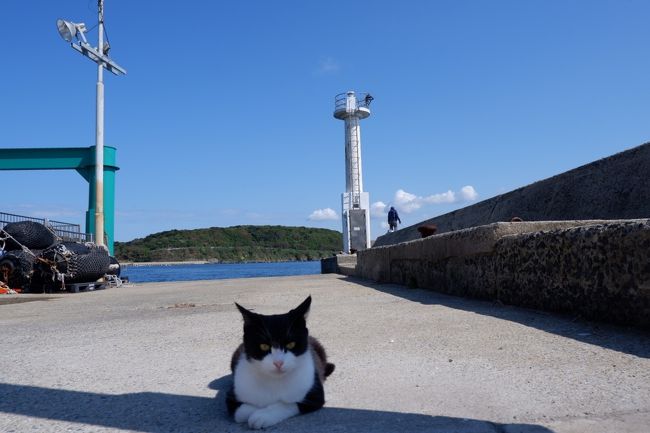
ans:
(203, 262)
(189, 262)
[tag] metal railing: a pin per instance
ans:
(341, 101)
(66, 231)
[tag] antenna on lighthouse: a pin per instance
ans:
(355, 203)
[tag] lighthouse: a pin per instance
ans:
(355, 203)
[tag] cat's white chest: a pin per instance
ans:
(260, 389)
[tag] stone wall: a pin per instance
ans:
(616, 187)
(597, 270)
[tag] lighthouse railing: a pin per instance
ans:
(341, 101)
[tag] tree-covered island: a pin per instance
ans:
(232, 244)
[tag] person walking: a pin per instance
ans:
(393, 219)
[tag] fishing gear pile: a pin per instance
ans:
(34, 259)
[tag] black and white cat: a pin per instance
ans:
(279, 370)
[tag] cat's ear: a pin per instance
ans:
(302, 310)
(248, 315)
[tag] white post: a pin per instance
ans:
(99, 137)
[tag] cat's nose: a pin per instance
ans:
(278, 364)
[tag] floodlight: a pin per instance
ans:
(67, 30)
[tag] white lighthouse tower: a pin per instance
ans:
(355, 204)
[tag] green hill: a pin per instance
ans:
(233, 244)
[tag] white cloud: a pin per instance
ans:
(468, 193)
(326, 214)
(378, 209)
(57, 213)
(407, 202)
(328, 65)
(445, 197)
(47, 211)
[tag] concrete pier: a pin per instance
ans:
(155, 358)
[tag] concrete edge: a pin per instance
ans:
(477, 240)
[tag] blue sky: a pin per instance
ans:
(225, 116)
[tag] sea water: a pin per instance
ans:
(216, 271)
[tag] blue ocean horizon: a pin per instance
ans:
(152, 273)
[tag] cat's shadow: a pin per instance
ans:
(26, 407)
(333, 419)
(221, 385)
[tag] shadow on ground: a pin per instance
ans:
(622, 339)
(161, 413)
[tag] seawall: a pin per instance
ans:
(597, 270)
(616, 187)
(583, 247)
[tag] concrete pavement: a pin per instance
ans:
(155, 358)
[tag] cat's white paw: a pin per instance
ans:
(263, 418)
(244, 412)
(272, 415)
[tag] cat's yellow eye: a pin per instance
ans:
(291, 345)
(265, 347)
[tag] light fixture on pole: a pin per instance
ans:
(69, 31)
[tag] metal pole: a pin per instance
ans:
(99, 136)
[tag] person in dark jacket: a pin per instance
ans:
(393, 219)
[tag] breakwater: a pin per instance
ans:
(598, 270)
(616, 187)
(583, 247)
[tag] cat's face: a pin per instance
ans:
(274, 344)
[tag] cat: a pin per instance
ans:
(278, 371)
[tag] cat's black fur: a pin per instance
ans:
(276, 330)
